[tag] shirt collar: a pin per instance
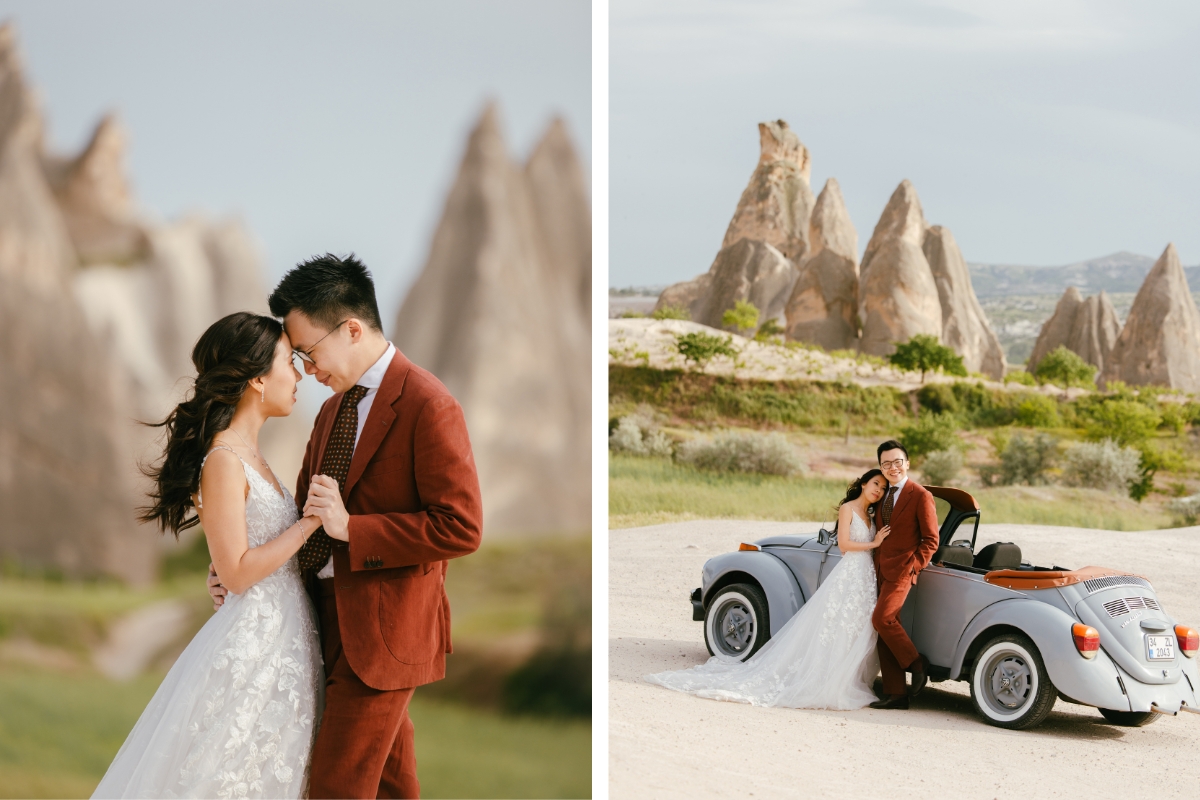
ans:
(373, 377)
(899, 486)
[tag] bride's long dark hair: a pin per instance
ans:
(855, 489)
(232, 351)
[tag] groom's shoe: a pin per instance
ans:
(892, 701)
(920, 676)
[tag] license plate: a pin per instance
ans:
(1160, 648)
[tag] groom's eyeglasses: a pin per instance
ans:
(305, 355)
(899, 462)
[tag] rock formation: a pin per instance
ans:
(66, 483)
(898, 297)
(766, 238)
(498, 315)
(824, 300)
(1088, 327)
(1160, 343)
(965, 327)
(99, 310)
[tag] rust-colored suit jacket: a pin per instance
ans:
(914, 537)
(413, 497)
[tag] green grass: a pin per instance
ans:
(58, 734)
(648, 491)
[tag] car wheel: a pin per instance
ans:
(1130, 719)
(736, 622)
(1009, 684)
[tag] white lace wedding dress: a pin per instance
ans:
(823, 657)
(237, 713)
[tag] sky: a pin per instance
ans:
(324, 126)
(1039, 132)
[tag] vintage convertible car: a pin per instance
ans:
(1021, 635)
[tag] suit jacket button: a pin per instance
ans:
(367, 564)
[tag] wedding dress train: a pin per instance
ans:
(237, 713)
(823, 657)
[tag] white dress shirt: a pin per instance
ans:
(897, 489)
(372, 379)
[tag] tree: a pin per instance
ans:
(671, 312)
(924, 353)
(1065, 368)
(700, 348)
(742, 317)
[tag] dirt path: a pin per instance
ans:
(137, 637)
(664, 744)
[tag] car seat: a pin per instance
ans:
(954, 553)
(1000, 555)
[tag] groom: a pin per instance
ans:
(908, 507)
(389, 471)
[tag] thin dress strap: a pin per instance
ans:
(199, 497)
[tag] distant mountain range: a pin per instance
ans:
(1119, 272)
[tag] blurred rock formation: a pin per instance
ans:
(1160, 343)
(101, 308)
(500, 314)
(766, 238)
(1088, 327)
(823, 306)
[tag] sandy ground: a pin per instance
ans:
(664, 744)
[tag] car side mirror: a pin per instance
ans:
(827, 537)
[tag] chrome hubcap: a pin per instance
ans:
(736, 627)
(1010, 680)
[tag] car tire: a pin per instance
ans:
(736, 622)
(1129, 719)
(1009, 683)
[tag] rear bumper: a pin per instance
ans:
(1168, 697)
(697, 606)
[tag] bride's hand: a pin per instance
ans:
(881, 534)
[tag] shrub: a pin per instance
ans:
(938, 398)
(1102, 465)
(629, 313)
(924, 353)
(671, 312)
(1064, 367)
(742, 317)
(700, 348)
(1020, 376)
(638, 435)
(1027, 459)
(768, 330)
(1037, 411)
(733, 451)
(1174, 417)
(941, 467)
(932, 432)
(1186, 510)
(1127, 422)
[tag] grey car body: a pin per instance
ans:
(1011, 638)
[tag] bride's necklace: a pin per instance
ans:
(253, 450)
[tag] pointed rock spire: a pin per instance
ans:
(1089, 328)
(965, 327)
(1160, 343)
(496, 315)
(824, 300)
(898, 297)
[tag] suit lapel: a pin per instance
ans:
(379, 420)
(902, 500)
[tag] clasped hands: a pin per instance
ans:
(325, 502)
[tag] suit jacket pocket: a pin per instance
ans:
(410, 610)
(383, 466)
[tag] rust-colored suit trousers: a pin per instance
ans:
(365, 747)
(896, 650)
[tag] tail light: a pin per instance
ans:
(1189, 640)
(1087, 639)
(748, 546)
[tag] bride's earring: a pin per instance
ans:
(264, 393)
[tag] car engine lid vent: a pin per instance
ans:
(1116, 608)
(1112, 581)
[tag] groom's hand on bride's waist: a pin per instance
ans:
(325, 501)
(215, 589)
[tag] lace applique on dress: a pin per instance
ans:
(236, 715)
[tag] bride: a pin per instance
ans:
(824, 656)
(236, 714)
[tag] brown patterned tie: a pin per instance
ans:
(887, 505)
(335, 462)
